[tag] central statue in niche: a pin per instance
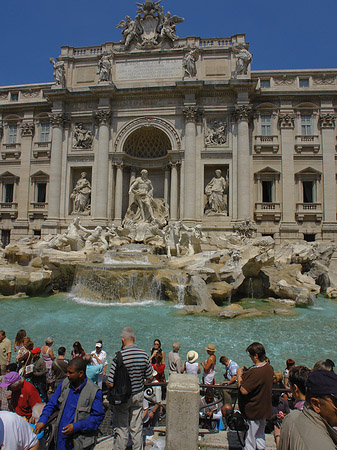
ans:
(146, 215)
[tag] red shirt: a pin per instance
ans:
(159, 368)
(25, 399)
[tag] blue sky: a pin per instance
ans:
(295, 34)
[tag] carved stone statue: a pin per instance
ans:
(190, 239)
(129, 30)
(244, 58)
(246, 228)
(142, 190)
(189, 63)
(82, 137)
(169, 29)
(104, 69)
(72, 238)
(216, 191)
(81, 195)
(59, 72)
(216, 133)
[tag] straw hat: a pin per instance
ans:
(211, 348)
(192, 356)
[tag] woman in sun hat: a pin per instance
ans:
(191, 365)
(209, 365)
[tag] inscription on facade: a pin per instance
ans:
(143, 70)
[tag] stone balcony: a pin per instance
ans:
(309, 211)
(266, 143)
(42, 150)
(11, 151)
(267, 211)
(38, 210)
(8, 210)
(307, 143)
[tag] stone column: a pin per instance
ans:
(132, 179)
(100, 203)
(174, 190)
(242, 115)
(57, 121)
(191, 116)
(119, 191)
(287, 125)
(182, 412)
(166, 183)
(27, 133)
(327, 126)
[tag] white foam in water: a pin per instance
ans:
(85, 301)
(126, 262)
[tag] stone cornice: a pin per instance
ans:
(327, 120)
(103, 116)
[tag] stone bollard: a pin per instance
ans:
(182, 412)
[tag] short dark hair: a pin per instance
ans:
(78, 364)
(61, 351)
(298, 375)
(223, 359)
(12, 367)
(256, 348)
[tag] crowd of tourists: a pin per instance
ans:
(49, 401)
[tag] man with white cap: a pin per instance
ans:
(100, 354)
(16, 433)
(311, 428)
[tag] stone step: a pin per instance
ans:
(223, 440)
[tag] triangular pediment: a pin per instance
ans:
(268, 170)
(8, 176)
(309, 171)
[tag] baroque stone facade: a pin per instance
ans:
(182, 108)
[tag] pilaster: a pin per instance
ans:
(327, 126)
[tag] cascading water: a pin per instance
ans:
(181, 287)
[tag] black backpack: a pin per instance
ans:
(121, 390)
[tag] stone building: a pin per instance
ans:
(181, 108)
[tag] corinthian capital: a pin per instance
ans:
(327, 120)
(103, 116)
(192, 113)
(286, 121)
(242, 112)
(58, 119)
(27, 129)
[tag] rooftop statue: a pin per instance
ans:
(104, 69)
(244, 58)
(150, 28)
(59, 72)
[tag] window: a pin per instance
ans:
(309, 237)
(304, 82)
(14, 97)
(9, 192)
(44, 132)
(306, 125)
(265, 84)
(267, 191)
(12, 132)
(5, 237)
(37, 233)
(266, 125)
(308, 192)
(41, 189)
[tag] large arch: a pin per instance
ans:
(144, 122)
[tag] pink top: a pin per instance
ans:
(47, 359)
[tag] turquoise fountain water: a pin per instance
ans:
(306, 338)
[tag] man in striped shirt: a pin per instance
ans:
(128, 416)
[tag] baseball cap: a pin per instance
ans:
(322, 382)
(36, 350)
(10, 378)
(98, 344)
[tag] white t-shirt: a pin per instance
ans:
(102, 356)
(18, 434)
